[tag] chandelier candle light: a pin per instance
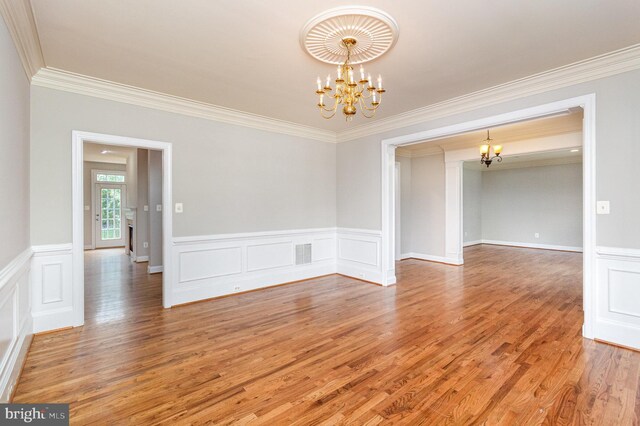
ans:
(485, 152)
(349, 91)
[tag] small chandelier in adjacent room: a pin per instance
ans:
(348, 36)
(485, 151)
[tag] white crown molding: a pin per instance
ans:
(76, 83)
(601, 66)
(21, 23)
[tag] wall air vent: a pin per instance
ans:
(303, 254)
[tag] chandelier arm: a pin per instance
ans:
(328, 116)
(364, 108)
(334, 108)
(371, 108)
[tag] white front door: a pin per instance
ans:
(109, 220)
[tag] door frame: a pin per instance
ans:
(123, 205)
(93, 183)
(453, 202)
(78, 138)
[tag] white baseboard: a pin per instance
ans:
(471, 243)
(154, 269)
(431, 258)
(525, 245)
(15, 309)
(360, 273)
(88, 247)
(619, 333)
(141, 259)
(186, 294)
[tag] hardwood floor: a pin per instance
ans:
(496, 341)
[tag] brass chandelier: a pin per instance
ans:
(485, 151)
(350, 93)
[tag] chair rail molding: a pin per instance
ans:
(15, 311)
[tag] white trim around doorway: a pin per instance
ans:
(453, 202)
(78, 140)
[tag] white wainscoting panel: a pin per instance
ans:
(15, 319)
(52, 287)
(270, 255)
(359, 254)
(618, 296)
(217, 265)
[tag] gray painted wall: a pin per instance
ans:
(618, 147)
(517, 203)
(472, 205)
(427, 205)
(155, 200)
(405, 203)
(142, 217)
(230, 178)
(89, 216)
(14, 152)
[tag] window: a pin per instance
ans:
(114, 178)
(111, 214)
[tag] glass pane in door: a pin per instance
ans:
(111, 213)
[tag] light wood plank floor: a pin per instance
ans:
(496, 341)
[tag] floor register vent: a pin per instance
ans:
(303, 254)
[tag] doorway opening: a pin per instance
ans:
(452, 250)
(121, 225)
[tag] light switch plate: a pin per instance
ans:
(602, 207)
(145, 244)
(179, 208)
(158, 207)
(146, 208)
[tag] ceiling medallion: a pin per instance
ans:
(347, 36)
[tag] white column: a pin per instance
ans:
(388, 215)
(453, 212)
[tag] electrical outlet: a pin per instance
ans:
(145, 244)
(236, 288)
(602, 207)
(179, 208)
(87, 208)
(158, 207)
(146, 208)
(536, 235)
(362, 276)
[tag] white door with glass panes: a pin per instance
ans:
(109, 215)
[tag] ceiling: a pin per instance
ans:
(568, 122)
(106, 153)
(563, 156)
(246, 54)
